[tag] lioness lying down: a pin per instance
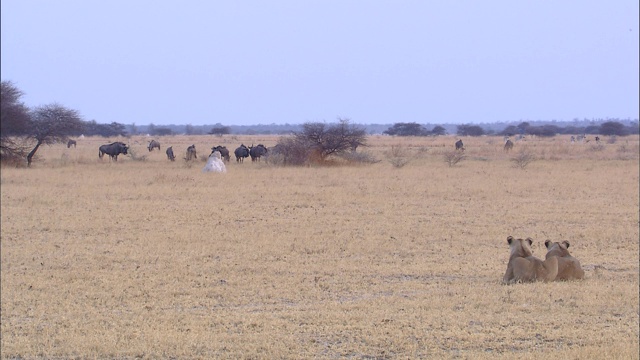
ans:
(524, 267)
(568, 267)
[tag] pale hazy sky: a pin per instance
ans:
(242, 62)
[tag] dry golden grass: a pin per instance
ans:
(154, 259)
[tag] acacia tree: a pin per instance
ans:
(407, 129)
(93, 128)
(470, 130)
(438, 131)
(220, 130)
(14, 122)
(612, 128)
(317, 141)
(327, 140)
(51, 124)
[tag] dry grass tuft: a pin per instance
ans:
(135, 156)
(398, 156)
(453, 157)
(523, 158)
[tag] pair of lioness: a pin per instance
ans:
(557, 265)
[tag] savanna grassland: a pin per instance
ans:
(146, 258)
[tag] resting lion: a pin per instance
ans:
(524, 267)
(568, 267)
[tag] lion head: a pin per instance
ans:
(519, 247)
(569, 268)
(524, 267)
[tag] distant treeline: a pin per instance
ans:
(539, 128)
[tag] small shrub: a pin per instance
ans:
(135, 156)
(398, 156)
(452, 157)
(397, 151)
(274, 159)
(398, 162)
(523, 158)
(290, 151)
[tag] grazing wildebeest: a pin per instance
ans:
(154, 144)
(256, 151)
(459, 145)
(508, 145)
(191, 153)
(597, 139)
(224, 152)
(170, 153)
(71, 142)
(241, 152)
(113, 150)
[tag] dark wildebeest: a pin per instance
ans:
(71, 142)
(170, 153)
(241, 152)
(224, 152)
(154, 144)
(256, 151)
(113, 150)
(459, 145)
(508, 145)
(191, 153)
(597, 139)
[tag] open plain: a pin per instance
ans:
(401, 258)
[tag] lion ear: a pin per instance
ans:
(566, 244)
(509, 239)
(547, 243)
(530, 241)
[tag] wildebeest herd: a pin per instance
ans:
(241, 152)
(117, 148)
